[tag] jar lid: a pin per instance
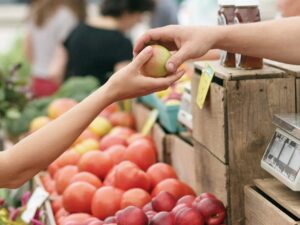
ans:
(246, 2)
(226, 2)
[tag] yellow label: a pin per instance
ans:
(150, 122)
(127, 105)
(204, 84)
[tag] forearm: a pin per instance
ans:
(276, 40)
(38, 150)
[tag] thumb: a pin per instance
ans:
(142, 57)
(176, 60)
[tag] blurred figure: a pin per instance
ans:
(289, 8)
(50, 23)
(165, 13)
(99, 46)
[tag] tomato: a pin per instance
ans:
(86, 134)
(159, 172)
(64, 176)
(60, 214)
(109, 110)
(110, 178)
(53, 168)
(48, 183)
(188, 190)
(106, 202)
(135, 197)
(68, 158)
(128, 176)
(78, 197)
(87, 177)
(59, 107)
(76, 217)
(96, 162)
(141, 153)
(139, 136)
(122, 119)
(116, 153)
(124, 132)
(171, 185)
(56, 204)
(111, 140)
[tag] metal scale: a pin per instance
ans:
(282, 157)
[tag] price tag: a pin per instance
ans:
(150, 122)
(204, 84)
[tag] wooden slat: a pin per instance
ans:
(141, 114)
(298, 94)
(259, 211)
(183, 161)
(209, 122)
(159, 136)
(290, 200)
(291, 69)
(251, 105)
(238, 74)
(212, 174)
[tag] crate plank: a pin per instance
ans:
(211, 173)
(290, 68)
(251, 104)
(209, 122)
(158, 135)
(281, 194)
(259, 211)
(298, 94)
(141, 114)
(183, 160)
(235, 74)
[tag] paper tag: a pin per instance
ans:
(37, 199)
(150, 122)
(204, 84)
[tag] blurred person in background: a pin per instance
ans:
(99, 46)
(289, 8)
(50, 23)
(165, 13)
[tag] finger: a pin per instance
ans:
(142, 57)
(163, 83)
(177, 59)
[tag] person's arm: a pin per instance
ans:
(37, 151)
(276, 40)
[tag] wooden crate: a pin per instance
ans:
(293, 70)
(181, 157)
(234, 127)
(270, 202)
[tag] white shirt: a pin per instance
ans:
(45, 39)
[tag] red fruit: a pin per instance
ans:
(111, 140)
(68, 158)
(162, 218)
(212, 209)
(132, 216)
(116, 153)
(206, 195)
(164, 201)
(187, 190)
(110, 219)
(57, 204)
(171, 185)
(148, 207)
(124, 132)
(128, 176)
(95, 222)
(78, 197)
(188, 200)
(87, 177)
(139, 136)
(141, 153)
(109, 110)
(106, 202)
(110, 178)
(53, 168)
(59, 107)
(86, 134)
(123, 119)
(48, 183)
(188, 216)
(159, 172)
(135, 197)
(76, 217)
(178, 208)
(150, 214)
(61, 213)
(96, 162)
(64, 176)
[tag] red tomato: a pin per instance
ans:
(128, 176)
(59, 107)
(141, 153)
(111, 140)
(135, 197)
(87, 177)
(109, 110)
(110, 178)
(76, 217)
(106, 202)
(124, 132)
(48, 183)
(188, 190)
(86, 134)
(123, 119)
(159, 172)
(171, 185)
(64, 176)
(56, 204)
(52, 169)
(116, 153)
(78, 197)
(96, 162)
(68, 158)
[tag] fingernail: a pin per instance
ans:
(171, 67)
(148, 49)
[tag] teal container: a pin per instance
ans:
(149, 100)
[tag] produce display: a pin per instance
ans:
(110, 175)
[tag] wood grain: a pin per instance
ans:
(159, 135)
(141, 114)
(209, 122)
(290, 68)
(251, 105)
(280, 193)
(298, 94)
(259, 211)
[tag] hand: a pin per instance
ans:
(187, 42)
(129, 83)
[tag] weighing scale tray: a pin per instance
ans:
(289, 123)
